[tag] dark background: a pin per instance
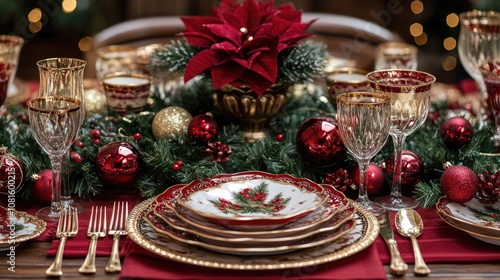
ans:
(60, 32)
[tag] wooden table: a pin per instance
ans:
(31, 263)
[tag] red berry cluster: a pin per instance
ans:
(257, 196)
(96, 136)
(177, 165)
(225, 204)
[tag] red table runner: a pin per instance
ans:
(440, 243)
(140, 264)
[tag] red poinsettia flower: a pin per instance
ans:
(240, 43)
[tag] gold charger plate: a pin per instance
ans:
(359, 238)
(28, 227)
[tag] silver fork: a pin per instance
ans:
(67, 227)
(96, 229)
(117, 228)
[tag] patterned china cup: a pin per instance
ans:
(346, 79)
(115, 58)
(126, 92)
(396, 55)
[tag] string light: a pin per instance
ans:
(417, 7)
(452, 20)
(449, 63)
(450, 43)
(35, 15)
(85, 44)
(416, 29)
(68, 6)
(421, 40)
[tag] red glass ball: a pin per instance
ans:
(203, 129)
(42, 188)
(318, 141)
(456, 132)
(411, 171)
(374, 178)
(118, 164)
(12, 173)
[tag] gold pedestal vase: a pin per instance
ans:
(250, 111)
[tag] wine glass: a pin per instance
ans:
(364, 119)
(396, 55)
(10, 47)
(478, 42)
(410, 101)
(54, 121)
(491, 76)
(64, 77)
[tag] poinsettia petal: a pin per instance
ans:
(254, 81)
(225, 74)
(199, 64)
(225, 46)
(196, 23)
(199, 40)
(226, 32)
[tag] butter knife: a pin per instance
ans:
(398, 265)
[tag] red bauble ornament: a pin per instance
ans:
(411, 171)
(459, 183)
(12, 173)
(319, 142)
(456, 132)
(374, 178)
(42, 188)
(203, 129)
(118, 164)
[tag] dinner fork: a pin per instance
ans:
(117, 228)
(67, 227)
(96, 229)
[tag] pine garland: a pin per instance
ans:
(267, 155)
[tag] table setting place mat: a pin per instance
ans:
(142, 264)
(440, 243)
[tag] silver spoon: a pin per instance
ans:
(409, 224)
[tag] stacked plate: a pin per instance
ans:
(252, 213)
(481, 221)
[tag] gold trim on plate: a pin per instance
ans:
(363, 235)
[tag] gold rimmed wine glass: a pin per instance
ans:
(54, 122)
(364, 119)
(410, 101)
(63, 77)
(10, 47)
(478, 42)
(491, 76)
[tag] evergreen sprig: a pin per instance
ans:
(268, 154)
(303, 62)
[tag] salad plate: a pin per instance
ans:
(336, 202)
(252, 200)
(189, 239)
(18, 227)
(472, 216)
(362, 235)
(485, 238)
(171, 219)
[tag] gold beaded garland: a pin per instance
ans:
(170, 121)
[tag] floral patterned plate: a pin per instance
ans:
(472, 216)
(26, 227)
(252, 200)
(171, 220)
(363, 234)
(336, 202)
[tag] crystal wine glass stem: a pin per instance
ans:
(363, 169)
(65, 180)
(399, 142)
(56, 161)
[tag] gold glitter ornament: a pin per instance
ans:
(171, 121)
(95, 102)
